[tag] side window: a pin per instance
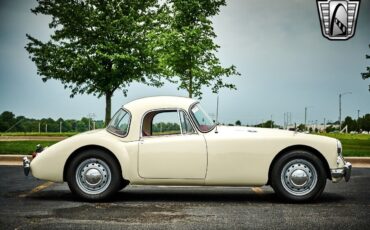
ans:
(120, 123)
(165, 123)
(186, 126)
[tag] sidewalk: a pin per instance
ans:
(357, 162)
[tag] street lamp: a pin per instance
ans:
(340, 108)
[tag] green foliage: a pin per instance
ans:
(187, 47)
(351, 124)
(267, 124)
(8, 122)
(362, 124)
(164, 127)
(301, 127)
(37, 134)
(366, 75)
(329, 129)
(238, 122)
(97, 47)
(7, 119)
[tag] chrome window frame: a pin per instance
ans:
(129, 124)
(164, 110)
(195, 120)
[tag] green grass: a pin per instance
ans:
(22, 147)
(353, 144)
(56, 134)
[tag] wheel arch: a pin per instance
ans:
(300, 147)
(90, 147)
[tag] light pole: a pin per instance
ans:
(271, 121)
(305, 116)
(91, 116)
(340, 108)
(358, 120)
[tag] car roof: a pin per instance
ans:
(139, 107)
(159, 102)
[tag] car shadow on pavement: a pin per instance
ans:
(183, 196)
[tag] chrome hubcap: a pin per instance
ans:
(299, 177)
(93, 176)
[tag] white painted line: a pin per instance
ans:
(37, 189)
(257, 190)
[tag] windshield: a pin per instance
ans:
(120, 123)
(202, 120)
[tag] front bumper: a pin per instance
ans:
(26, 166)
(339, 173)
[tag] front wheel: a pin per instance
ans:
(94, 175)
(298, 176)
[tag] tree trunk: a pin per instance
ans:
(190, 89)
(108, 107)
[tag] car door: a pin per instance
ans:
(170, 148)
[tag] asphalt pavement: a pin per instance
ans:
(27, 203)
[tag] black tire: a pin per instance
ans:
(283, 176)
(99, 157)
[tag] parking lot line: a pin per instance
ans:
(257, 190)
(37, 189)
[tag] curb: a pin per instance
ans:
(13, 157)
(358, 160)
(12, 160)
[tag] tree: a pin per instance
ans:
(267, 124)
(364, 122)
(366, 75)
(7, 119)
(350, 123)
(238, 122)
(301, 127)
(187, 47)
(96, 46)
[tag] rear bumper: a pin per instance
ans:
(339, 173)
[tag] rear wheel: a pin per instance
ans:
(298, 176)
(94, 175)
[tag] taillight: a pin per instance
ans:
(38, 150)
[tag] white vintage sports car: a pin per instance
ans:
(172, 141)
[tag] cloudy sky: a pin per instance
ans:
(277, 46)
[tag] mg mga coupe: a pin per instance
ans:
(172, 141)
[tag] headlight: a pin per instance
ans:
(339, 148)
